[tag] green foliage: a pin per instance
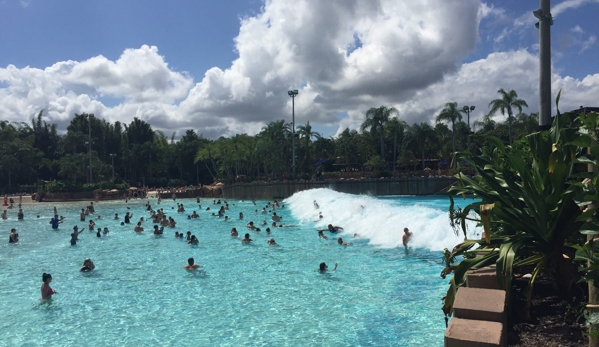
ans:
(524, 202)
(34, 151)
(375, 163)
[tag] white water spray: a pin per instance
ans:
(379, 221)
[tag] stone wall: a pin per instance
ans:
(377, 187)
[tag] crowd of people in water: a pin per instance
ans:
(160, 221)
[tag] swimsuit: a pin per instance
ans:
(49, 293)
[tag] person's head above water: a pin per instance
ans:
(406, 230)
(46, 278)
(323, 266)
(190, 261)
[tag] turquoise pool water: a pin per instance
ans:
(255, 294)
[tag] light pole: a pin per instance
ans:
(112, 155)
(292, 94)
(543, 14)
(89, 127)
(467, 109)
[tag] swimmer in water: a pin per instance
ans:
(331, 228)
(191, 265)
(234, 232)
(316, 207)
(246, 238)
(250, 225)
(74, 235)
(271, 242)
(98, 233)
(47, 291)
(319, 217)
(323, 267)
(138, 228)
(240, 215)
(321, 235)
(105, 231)
(342, 243)
(157, 231)
(275, 217)
(407, 235)
(14, 236)
(88, 265)
(194, 240)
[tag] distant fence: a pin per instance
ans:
(392, 186)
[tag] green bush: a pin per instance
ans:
(177, 183)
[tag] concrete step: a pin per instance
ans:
(482, 278)
(473, 333)
(480, 304)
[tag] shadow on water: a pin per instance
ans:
(386, 330)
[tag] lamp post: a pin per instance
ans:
(467, 109)
(543, 14)
(292, 94)
(89, 127)
(112, 155)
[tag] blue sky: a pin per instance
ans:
(224, 67)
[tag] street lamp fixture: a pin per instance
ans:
(292, 94)
(467, 109)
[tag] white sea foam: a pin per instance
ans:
(379, 221)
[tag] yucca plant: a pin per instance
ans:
(524, 202)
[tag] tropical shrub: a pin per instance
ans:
(525, 203)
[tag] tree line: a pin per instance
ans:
(34, 154)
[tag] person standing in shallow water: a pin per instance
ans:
(323, 267)
(407, 235)
(14, 236)
(47, 291)
(191, 265)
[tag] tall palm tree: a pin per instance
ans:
(305, 132)
(397, 128)
(376, 121)
(508, 101)
(421, 135)
(450, 114)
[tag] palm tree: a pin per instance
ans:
(376, 121)
(508, 101)
(450, 114)
(305, 132)
(397, 128)
(421, 134)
